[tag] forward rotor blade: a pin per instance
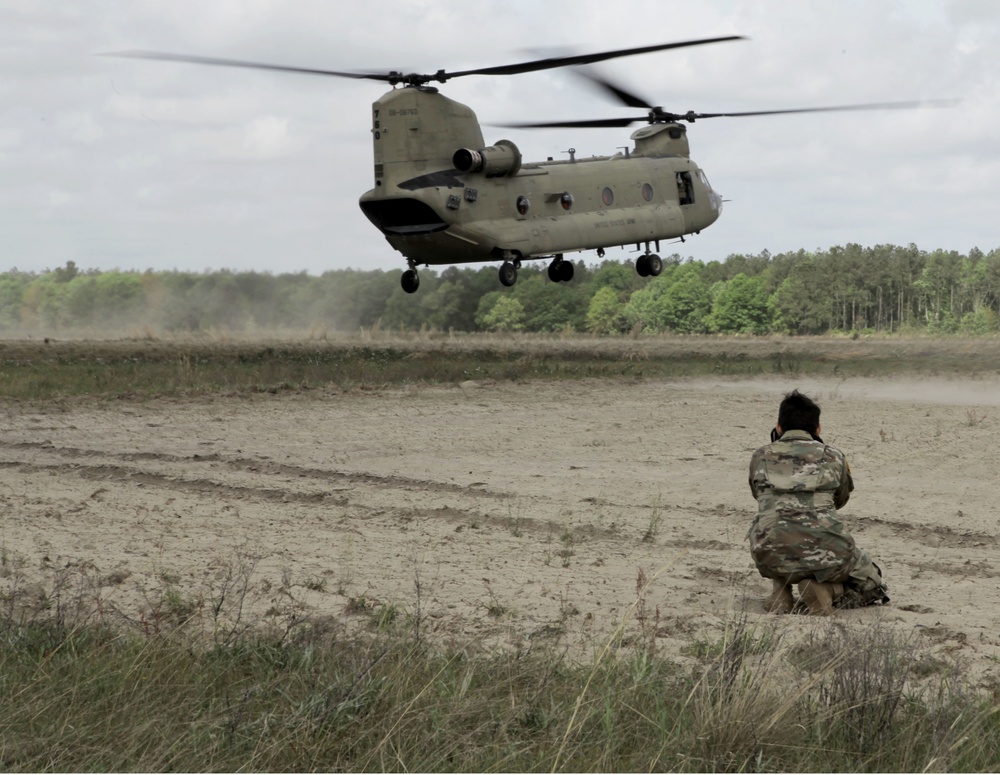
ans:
(623, 96)
(217, 62)
(595, 123)
(911, 105)
(658, 115)
(634, 101)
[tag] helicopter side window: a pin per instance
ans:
(685, 189)
(647, 192)
(608, 197)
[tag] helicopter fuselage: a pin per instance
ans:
(442, 197)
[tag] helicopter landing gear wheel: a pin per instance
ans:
(655, 264)
(560, 271)
(508, 274)
(642, 266)
(410, 281)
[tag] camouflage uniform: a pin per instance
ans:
(799, 484)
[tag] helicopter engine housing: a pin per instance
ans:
(494, 161)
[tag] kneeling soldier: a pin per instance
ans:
(799, 483)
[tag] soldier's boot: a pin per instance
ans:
(780, 600)
(818, 597)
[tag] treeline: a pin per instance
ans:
(885, 288)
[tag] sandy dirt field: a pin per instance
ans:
(495, 514)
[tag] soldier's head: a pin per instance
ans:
(798, 412)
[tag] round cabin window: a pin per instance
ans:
(523, 205)
(566, 200)
(647, 192)
(608, 197)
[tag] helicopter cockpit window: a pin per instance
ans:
(647, 192)
(523, 205)
(685, 189)
(608, 197)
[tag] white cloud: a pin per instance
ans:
(262, 138)
(267, 137)
(79, 127)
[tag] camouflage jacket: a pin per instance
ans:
(799, 484)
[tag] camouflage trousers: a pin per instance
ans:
(802, 546)
(864, 584)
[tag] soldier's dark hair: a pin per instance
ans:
(798, 412)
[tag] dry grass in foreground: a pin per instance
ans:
(89, 697)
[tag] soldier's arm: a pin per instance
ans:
(844, 489)
(753, 469)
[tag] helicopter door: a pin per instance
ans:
(685, 188)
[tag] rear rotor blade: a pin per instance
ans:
(419, 79)
(585, 59)
(215, 61)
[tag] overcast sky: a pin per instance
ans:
(132, 164)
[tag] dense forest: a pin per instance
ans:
(885, 288)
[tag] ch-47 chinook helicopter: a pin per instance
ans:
(442, 196)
